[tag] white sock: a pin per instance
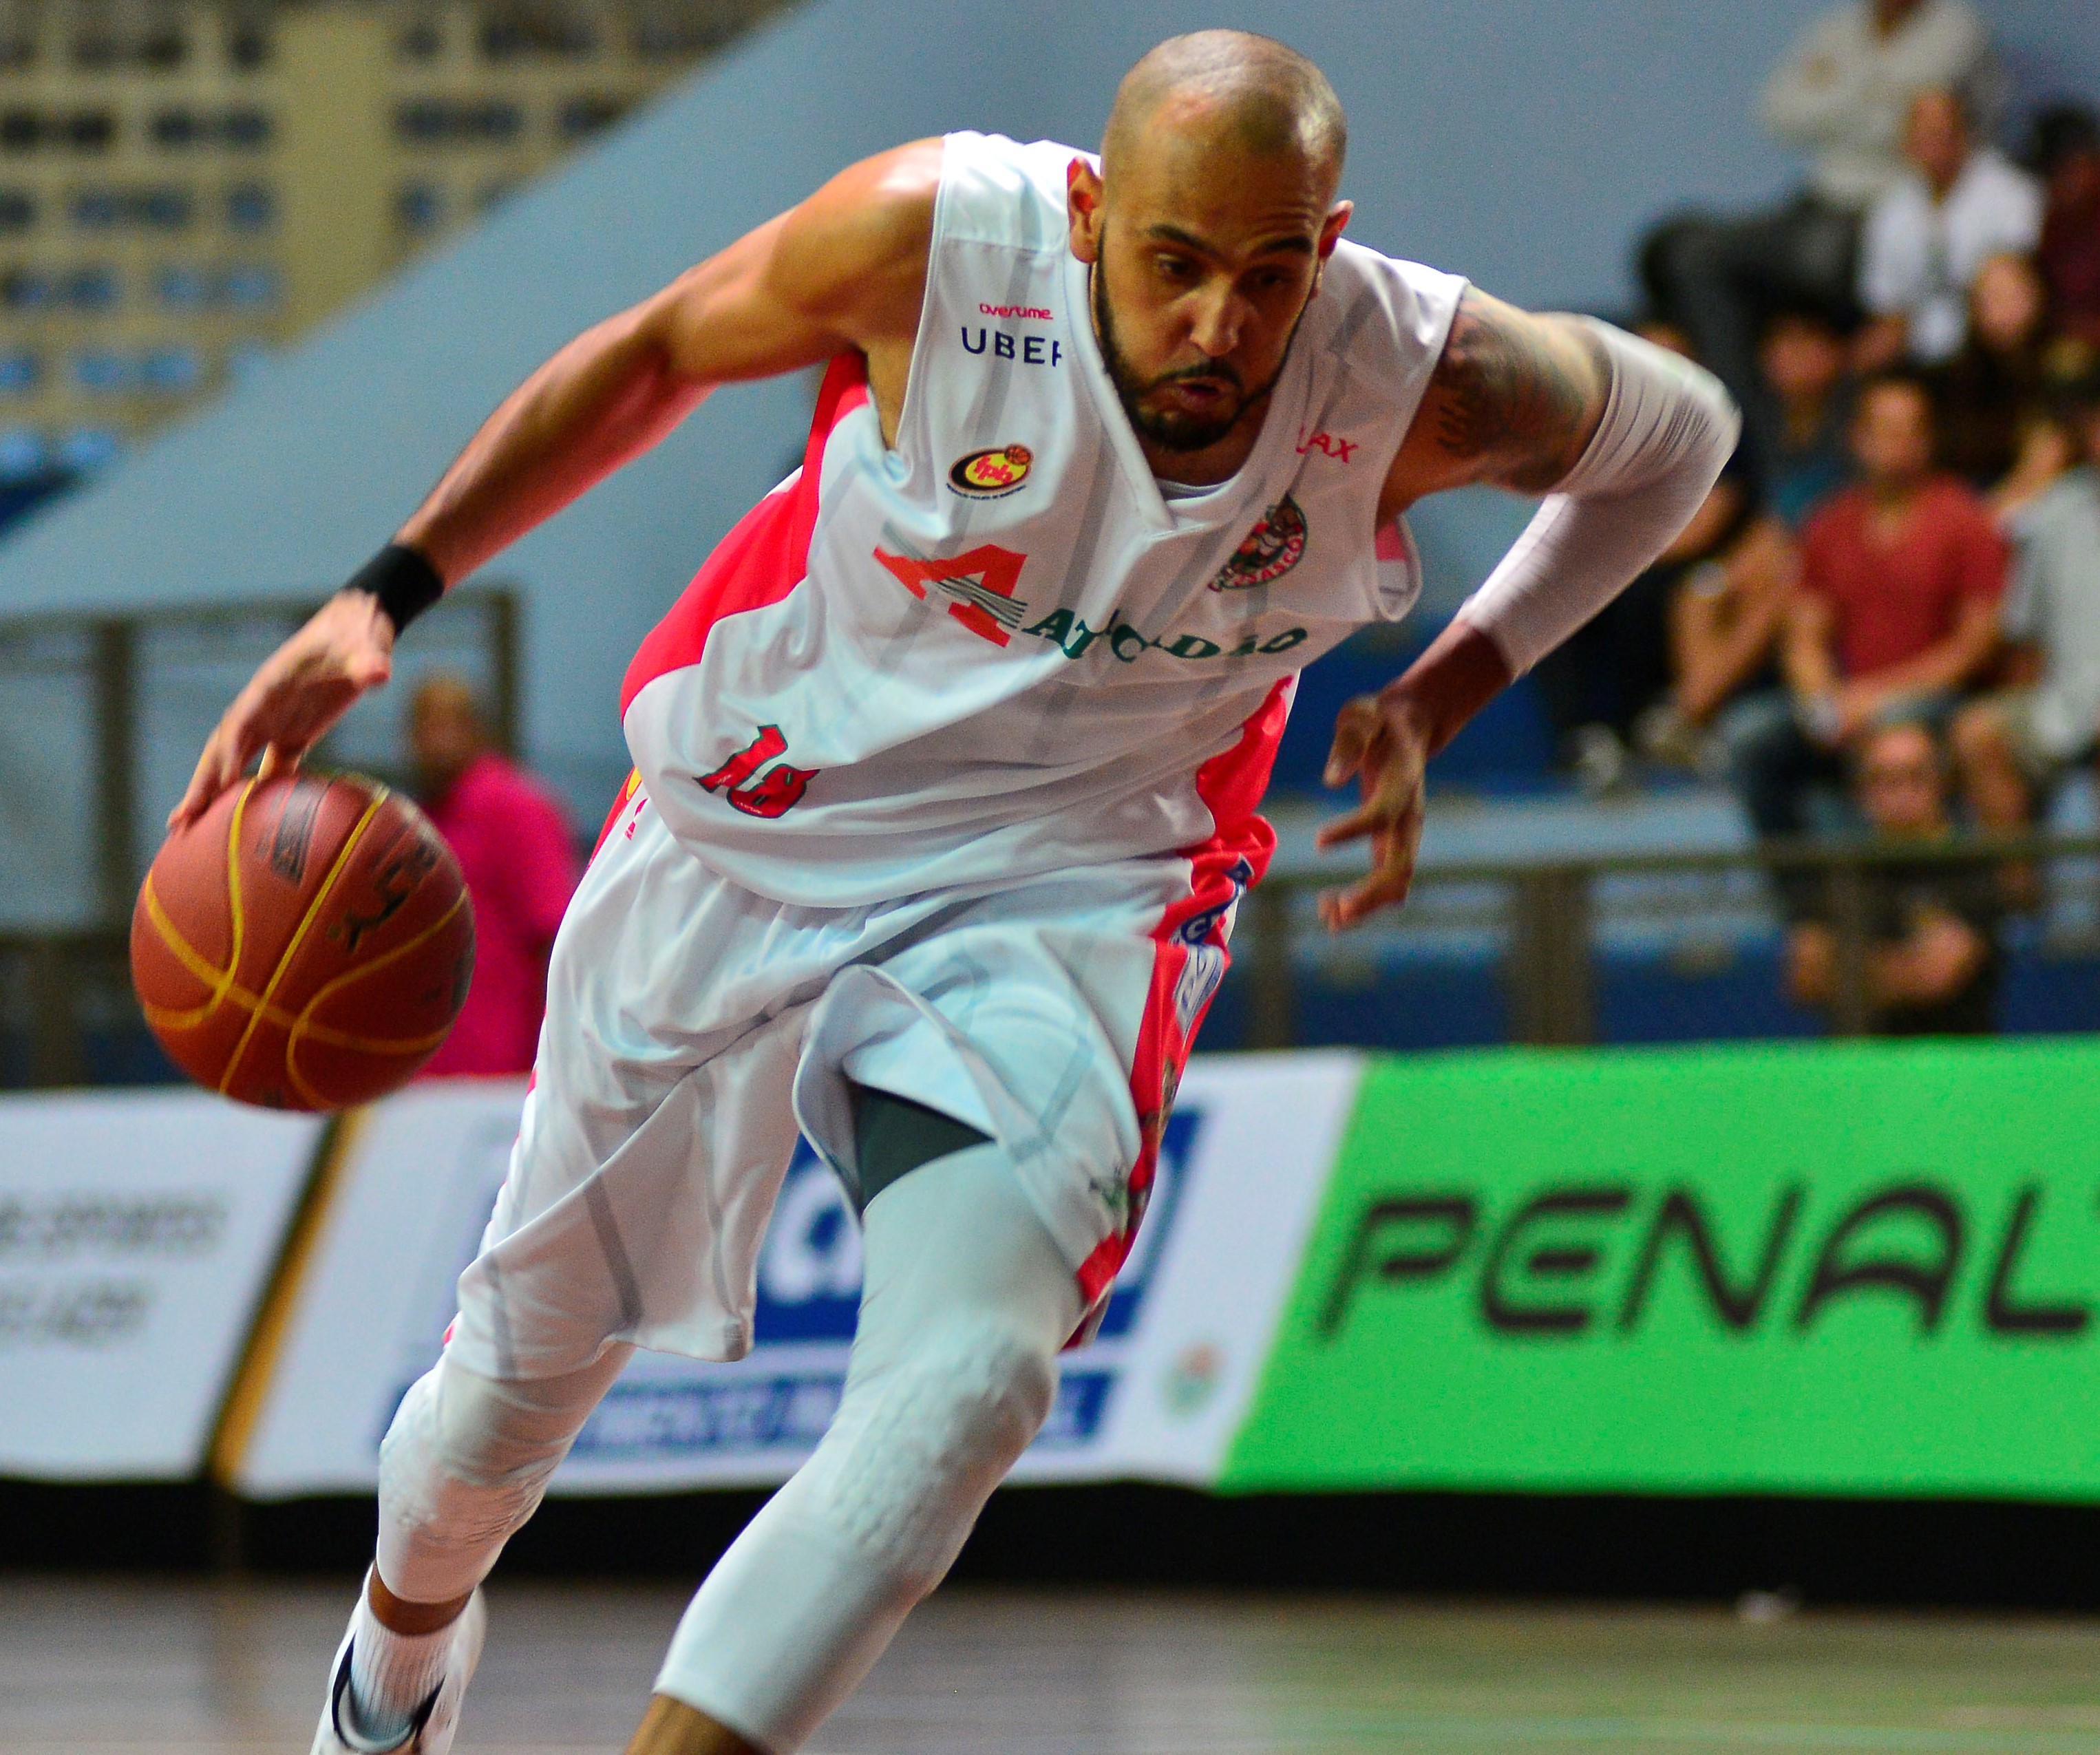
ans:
(391, 1675)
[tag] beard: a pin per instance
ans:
(1175, 429)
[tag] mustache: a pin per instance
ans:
(1221, 371)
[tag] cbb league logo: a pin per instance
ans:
(991, 474)
(1272, 549)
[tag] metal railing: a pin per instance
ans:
(67, 1015)
(115, 661)
(1546, 914)
(108, 711)
(60, 993)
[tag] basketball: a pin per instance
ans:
(304, 944)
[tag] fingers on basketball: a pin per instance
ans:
(305, 943)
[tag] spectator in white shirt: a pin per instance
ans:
(1842, 96)
(1843, 92)
(1958, 205)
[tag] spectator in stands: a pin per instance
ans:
(1599, 687)
(2047, 445)
(1932, 959)
(1895, 612)
(1984, 393)
(1841, 96)
(1928, 237)
(1726, 621)
(2067, 157)
(1802, 362)
(2013, 746)
(514, 845)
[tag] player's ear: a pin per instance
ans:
(1332, 227)
(1083, 208)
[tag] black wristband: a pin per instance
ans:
(403, 581)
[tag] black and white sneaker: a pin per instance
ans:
(430, 1731)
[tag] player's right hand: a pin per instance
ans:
(302, 689)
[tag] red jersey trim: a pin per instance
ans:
(1231, 783)
(763, 559)
(1223, 868)
(619, 805)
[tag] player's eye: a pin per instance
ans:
(1176, 267)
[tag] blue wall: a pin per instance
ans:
(2052, 46)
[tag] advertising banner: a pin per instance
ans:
(138, 1232)
(1159, 1395)
(1867, 1268)
(404, 1203)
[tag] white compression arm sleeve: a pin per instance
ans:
(1668, 430)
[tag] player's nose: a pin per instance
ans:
(1216, 331)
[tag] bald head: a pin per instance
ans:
(1208, 226)
(1246, 92)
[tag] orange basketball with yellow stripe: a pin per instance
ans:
(306, 944)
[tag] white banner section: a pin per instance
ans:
(1157, 1396)
(406, 1207)
(138, 1232)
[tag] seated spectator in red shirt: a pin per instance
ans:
(1895, 612)
(513, 844)
(1900, 578)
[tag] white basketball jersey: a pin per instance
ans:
(995, 649)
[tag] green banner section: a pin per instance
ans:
(1868, 1268)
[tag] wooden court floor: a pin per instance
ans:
(97, 1668)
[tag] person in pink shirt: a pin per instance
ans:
(513, 844)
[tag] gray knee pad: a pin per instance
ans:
(466, 1462)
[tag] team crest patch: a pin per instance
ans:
(991, 474)
(1272, 549)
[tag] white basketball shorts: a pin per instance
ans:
(691, 1025)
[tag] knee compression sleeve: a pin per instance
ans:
(966, 1302)
(465, 1463)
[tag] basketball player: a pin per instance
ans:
(947, 769)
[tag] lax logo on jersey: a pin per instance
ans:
(979, 586)
(1272, 549)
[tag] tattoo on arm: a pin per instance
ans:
(1513, 401)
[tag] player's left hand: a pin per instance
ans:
(1382, 742)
